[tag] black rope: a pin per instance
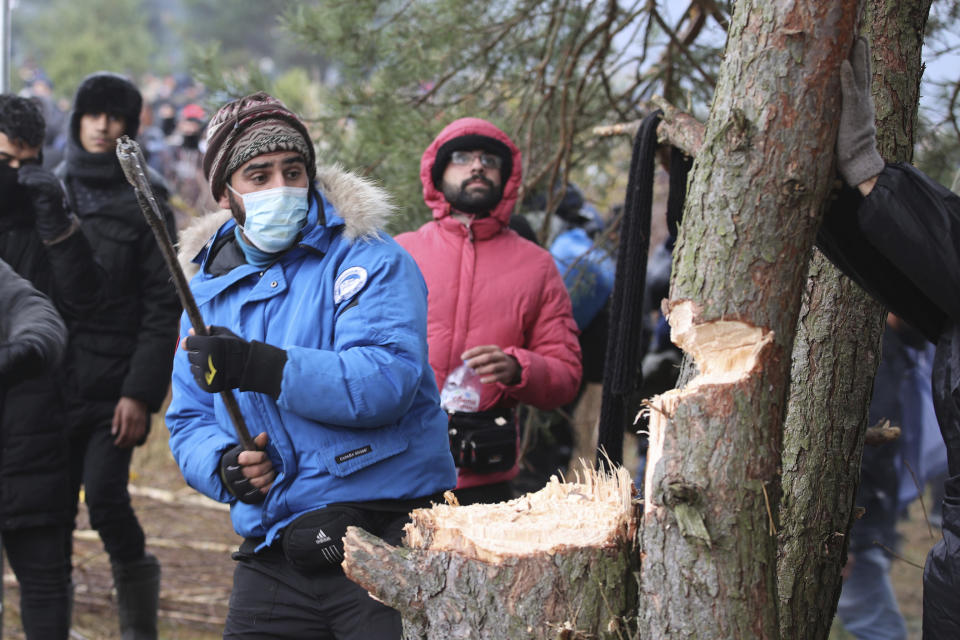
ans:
(621, 373)
(680, 164)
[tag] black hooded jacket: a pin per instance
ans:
(125, 348)
(902, 244)
(34, 483)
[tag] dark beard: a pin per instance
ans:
(238, 214)
(479, 204)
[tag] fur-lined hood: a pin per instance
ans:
(364, 206)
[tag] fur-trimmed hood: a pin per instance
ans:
(364, 206)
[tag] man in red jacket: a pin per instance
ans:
(496, 302)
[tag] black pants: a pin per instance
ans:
(36, 556)
(271, 599)
(104, 471)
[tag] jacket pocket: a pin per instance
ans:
(350, 450)
(101, 363)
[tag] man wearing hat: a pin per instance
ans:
(318, 320)
(120, 356)
(496, 302)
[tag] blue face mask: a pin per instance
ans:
(274, 217)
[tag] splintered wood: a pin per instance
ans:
(725, 350)
(593, 511)
(555, 563)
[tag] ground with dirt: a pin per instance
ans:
(190, 534)
(193, 539)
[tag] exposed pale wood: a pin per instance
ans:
(586, 424)
(555, 563)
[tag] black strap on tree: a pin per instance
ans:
(680, 164)
(622, 373)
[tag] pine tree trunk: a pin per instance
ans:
(835, 357)
(834, 361)
(557, 563)
(753, 205)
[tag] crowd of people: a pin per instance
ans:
(333, 339)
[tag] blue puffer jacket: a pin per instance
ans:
(358, 416)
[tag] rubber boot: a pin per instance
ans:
(138, 595)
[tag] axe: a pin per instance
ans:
(132, 162)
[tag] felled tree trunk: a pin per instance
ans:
(552, 564)
(834, 361)
(752, 210)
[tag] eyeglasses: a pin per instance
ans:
(487, 160)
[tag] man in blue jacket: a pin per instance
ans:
(318, 319)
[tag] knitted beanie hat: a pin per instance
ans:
(249, 127)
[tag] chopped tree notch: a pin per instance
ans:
(555, 561)
(725, 351)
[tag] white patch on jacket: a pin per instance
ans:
(364, 206)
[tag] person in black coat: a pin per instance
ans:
(39, 240)
(121, 356)
(897, 233)
(32, 334)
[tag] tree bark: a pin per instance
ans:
(558, 563)
(835, 358)
(752, 212)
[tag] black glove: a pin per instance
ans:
(231, 473)
(18, 361)
(223, 360)
(48, 203)
(857, 156)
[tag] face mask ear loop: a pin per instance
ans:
(236, 193)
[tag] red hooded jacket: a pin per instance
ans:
(487, 285)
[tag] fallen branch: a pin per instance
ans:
(677, 128)
(192, 498)
(881, 433)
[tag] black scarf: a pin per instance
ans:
(93, 179)
(97, 167)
